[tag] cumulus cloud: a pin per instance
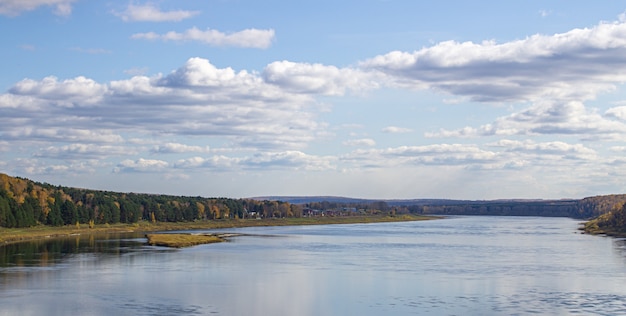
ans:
(291, 160)
(548, 118)
(554, 74)
(151, 13)
(16, 7)
(79, 91)
(554, 148)
(317, 78)
(218, 162)
(197, 100)
(249, 38)
(288, 159)
(141, 165)
(575, 65)
(42, 166)
(617, 112)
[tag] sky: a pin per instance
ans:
(381, 99)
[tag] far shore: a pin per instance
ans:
(13, 235)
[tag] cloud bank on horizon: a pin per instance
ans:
(245, 111)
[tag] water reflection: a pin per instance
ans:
(459, 266)
(51, 252)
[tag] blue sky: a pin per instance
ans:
(373, 99)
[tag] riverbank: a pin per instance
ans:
(12, 235)
(183, 240)
(591, 227)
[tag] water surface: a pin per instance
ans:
(455, 266)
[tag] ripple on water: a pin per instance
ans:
(532, 303)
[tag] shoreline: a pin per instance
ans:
(42, 232)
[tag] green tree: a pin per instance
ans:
(54, 215)
(69, 212)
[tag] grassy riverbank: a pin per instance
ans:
(592, 227)
(182, 240)
(9, 235)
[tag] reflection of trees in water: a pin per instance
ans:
(620, 247)
(44, 253)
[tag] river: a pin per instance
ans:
(453, 266)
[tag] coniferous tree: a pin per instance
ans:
(54, 215)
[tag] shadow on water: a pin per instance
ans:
(50, 252)
(619, 244)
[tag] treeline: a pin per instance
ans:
(589, 207)
(568, 208)
(507, 208)
(586, 208)
(24, 203)
(369, 207)
(612, 222)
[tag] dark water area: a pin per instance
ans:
(454, 266)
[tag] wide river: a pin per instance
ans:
(453, 266)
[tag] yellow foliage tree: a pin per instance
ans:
(201, 214)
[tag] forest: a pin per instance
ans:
(612, 222)
(25, 203)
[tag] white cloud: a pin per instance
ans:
(554, 148)
(439, 154)
(218, 162)
(249, 38)
(79, 91)
(545, 13)
(396, 130)
(289, 160)
(360, 142)
(198, 99)
(42, 166)
(504, 155)
(141, 165)
(151, 13)
(84, 151)
(16, 7)
(170, 148)
(61, 134)
(136, 71)
(617, 112)
(548, 118)
(317, 78)
(576, 65)
(618, 148)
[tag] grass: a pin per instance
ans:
(594, 227)
(10, 235)
(182, 240)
